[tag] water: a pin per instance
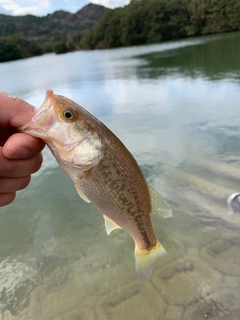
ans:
(175, 105)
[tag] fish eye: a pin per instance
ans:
(69, 114)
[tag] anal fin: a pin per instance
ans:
(110, 225)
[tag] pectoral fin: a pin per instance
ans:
(159, 204)
(81, 194)
(110, 225)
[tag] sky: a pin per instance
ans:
(43, 7)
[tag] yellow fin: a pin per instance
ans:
(110, 225)
(144, 260)
(159, 204)
(81, 194)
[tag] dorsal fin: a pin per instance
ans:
(159, 204)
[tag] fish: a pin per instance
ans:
(104, 173)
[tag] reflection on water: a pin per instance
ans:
(175, 106)
(213, 59)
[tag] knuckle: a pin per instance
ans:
(7, 198)
(10, 168)
(24, 182)
(37, 163)
(8, 185)
(7, 168)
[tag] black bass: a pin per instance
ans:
(104, 172)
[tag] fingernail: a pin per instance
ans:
(19, 153)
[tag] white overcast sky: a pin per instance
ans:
(43, 7)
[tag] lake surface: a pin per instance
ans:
(175, 105)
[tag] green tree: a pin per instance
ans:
(15, 47)
(133, 24)
(34, 48)
(214, 16)
(139, 22)
(87, 41)
(9, 51)
(111, 28)
(9, 28)
(60, 47)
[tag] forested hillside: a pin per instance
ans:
(149, 21)
(29, 35)
(94, 26)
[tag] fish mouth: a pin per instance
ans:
(43, 119)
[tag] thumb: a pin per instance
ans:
(14, 112)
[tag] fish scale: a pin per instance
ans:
(131, 187)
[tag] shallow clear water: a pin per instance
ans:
(176, 107)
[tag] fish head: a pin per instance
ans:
(70, 131)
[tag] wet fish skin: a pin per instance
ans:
(104, 172)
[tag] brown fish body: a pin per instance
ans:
(104, 172)
(117, 187)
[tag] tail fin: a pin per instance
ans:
(144, 260)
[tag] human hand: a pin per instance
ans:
(20, 154)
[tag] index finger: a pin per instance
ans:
(22, 146)
(14, 112)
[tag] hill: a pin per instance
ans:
(149, 21)
(24, 36)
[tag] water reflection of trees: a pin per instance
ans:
(215, 58)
